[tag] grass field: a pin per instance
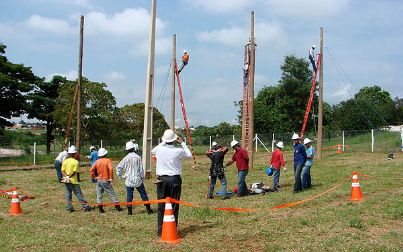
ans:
(329, 222)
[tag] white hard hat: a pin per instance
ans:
(130, 145)
(233, 143)
(102, 152)
(72, 150)
(213, 144)
(313, 46)
(169, 136)
(184, 51)
(92, 148)
(307, 141)
(280, 145)
(295, 136)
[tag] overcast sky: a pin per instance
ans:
(364, 36)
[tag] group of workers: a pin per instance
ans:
(169, 170)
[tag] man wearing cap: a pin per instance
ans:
(169, 170)
(216, 156)
(277, 161)
(299, 161)
(93, 157)
(70, 180)
(131, 168)
(242, 163)
(306, 171)
(58, 164)
(103, 167)
(185, 60)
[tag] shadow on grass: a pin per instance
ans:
(194, 228)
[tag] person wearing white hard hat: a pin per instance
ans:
(299, 161)
(306, 171)
(216, 155)
(93, 157)
(131, 168)
(242, 163)
(70, 180)
(185, 60)
(58, 164)
(312, 57)
(103, 167)
(169, 171)
(277, 161)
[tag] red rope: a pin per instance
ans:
(308, 107)
(183, 106)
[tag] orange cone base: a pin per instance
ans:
(169, 233)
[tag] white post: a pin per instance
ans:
(233, 137)
(343, 139)
(272, 144)
(210, 142)
(69, 144)
(256, 142)
(101, 144)
(373, 140)
(34, 153)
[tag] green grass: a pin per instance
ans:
(328, 223)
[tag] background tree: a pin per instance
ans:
(16, 80)
(42, 102)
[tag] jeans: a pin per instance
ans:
(213, 181)
(276, 178)
(297, 175)
(169, 186)
(306, 176)
(242, 187)
(58, 167)
(105, 186)
(143, 194)
(75, 188)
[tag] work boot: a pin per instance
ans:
(149, 210)
(129, 211)
(101, 209)
(118, 208)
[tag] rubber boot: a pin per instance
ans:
(101, 209)
(129, 211)
(118, 208)
(149, 210)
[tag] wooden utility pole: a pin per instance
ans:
(251, 87)
(148, 104)
(245, 99)
(80, 73)
(320, 110)
(172, 123)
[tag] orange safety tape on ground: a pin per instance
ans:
(146, 202)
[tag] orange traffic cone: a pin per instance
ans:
(339, 150)
(356, 194)
(15, 208)
(169, 231)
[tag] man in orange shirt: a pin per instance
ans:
(103, 167)
(185, 60)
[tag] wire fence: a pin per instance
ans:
(365, 141)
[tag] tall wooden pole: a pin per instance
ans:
(148, 104)
(80, 73)
(320, 110)
(172, 123)
(245, 100)
(251, 87)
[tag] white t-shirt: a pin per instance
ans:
(169, 158)
(312, 53)
(62, 156)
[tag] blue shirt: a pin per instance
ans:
(310, 152)
(299, 154)
(93, 157)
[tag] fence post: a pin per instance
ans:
(256, 142)
(272, 144)
(210, 142)
(373, 140)
(69, 144)
(233, 137)
(101, 143)
(34, 153)
(401, 135)
(343, 139)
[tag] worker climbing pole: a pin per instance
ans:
(184, 115)
(245, 98)
(313, 87)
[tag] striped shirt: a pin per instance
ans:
(131, 165)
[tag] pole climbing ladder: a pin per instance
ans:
(245, 98)
(308, 107)
(184, 115)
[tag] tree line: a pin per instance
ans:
(278, 108)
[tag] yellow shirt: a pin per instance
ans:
(69, 166)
